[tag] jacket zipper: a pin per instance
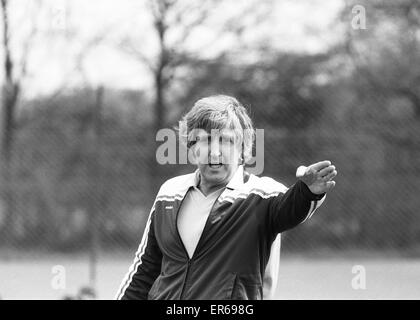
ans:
(185, 279)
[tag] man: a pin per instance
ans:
(210, 233)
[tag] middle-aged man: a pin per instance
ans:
(209, 233)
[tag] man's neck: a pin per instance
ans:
(206, 190)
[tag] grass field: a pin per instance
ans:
(300, 278)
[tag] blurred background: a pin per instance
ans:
(86, 85)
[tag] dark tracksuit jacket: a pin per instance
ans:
(232, 253)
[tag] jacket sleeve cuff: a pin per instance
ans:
(308, 193)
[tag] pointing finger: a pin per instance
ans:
(320, 165)
(326, 171)
(329, 176)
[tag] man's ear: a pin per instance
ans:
(192, 156)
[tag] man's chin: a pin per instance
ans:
(213, 172)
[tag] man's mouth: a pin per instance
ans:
(215, 165)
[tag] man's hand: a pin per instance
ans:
(318, 177)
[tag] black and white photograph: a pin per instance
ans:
(209, 150)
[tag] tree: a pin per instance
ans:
(378, 68)
(14, 73)
(281, 90)
(174, 23)
(17, 43)
(385, 55)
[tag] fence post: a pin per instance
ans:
(97, 192)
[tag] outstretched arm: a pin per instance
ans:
(300, 201)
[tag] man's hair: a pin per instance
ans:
(220, 112)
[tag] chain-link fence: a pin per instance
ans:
(70, 165)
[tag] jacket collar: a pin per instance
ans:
(234, 183)
(237, 179)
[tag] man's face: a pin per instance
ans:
(217, 155)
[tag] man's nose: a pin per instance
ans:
(215, 150)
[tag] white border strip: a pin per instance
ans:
(231, 198)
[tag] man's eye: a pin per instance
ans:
(202, 140)
(228, 140)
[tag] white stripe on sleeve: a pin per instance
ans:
(137, 259)
(314, 205)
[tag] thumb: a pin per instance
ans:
(301, 172)
(305, 172)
